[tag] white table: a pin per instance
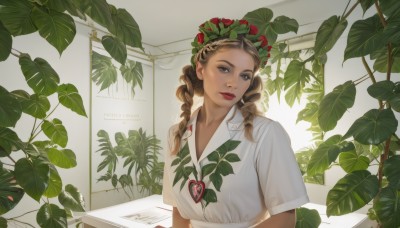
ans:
(115, 216)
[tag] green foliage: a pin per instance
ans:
(307, 218)
(30, 166)
(138, 152)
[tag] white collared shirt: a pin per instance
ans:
(266, 180)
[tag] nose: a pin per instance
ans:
(232, 82)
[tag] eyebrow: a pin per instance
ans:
(230, 64)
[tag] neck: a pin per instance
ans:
(208, 116)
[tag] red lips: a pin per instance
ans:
(228, 96)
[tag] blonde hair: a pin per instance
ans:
(193, 86)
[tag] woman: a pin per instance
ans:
(228, 166)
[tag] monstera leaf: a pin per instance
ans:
(72, 199)
(62, 158)
(115, 47)
(55, 183)
(104, 72)
(132, 72)
(10, 109)
(392, 171)
(328, 34)
(5, 43)
(69, 97)
(296, 76)
(55, 131)
(9, 141)
(34, 105)
(307, 218)
(16, 17)
(98, 10)
(387, 208)
(66, 5)
(10, 193)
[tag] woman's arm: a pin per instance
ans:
(178, 221)
(285, 219)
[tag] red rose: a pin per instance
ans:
(215, 20)
(253, 30)
(226, 22)
(200, 38)
(269, 48)
(202, 25)
(243, 22)
(263, 40)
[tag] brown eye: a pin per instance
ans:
(223, 69)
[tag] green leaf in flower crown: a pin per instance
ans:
(35, 105)
(55, 131)
(50, 215)
(16, 17)
(10, 109)
(55, 184)
(98, 10)
(392, 171)
(132, 72)
(32, 176)
(40, 76)
(69, 97)
(383, 90)
(104, 72)
(296, 76)
(115, 48)
(365, 37)
(125, 28)
(62, 158)
(5, 42)
(351, 161)
(10, 193)
(328, 34)
(387, 208)
(57, 28)
(335, 104)
(9, 141)
(351, 193)
(324, 155)
(307, 218)
(374, 127)
(71, 198)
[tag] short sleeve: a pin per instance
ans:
(167, 184)
(278, 172)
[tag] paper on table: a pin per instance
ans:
(150, 216)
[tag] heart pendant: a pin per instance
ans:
(196, 190)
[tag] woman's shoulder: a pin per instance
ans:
(264, 124)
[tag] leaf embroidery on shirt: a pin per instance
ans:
(219, 166)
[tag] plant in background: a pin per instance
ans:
(371, 140)
(139, 153)
(31, 166)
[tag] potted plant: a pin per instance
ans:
(29, 166)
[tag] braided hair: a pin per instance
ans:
(191, 86)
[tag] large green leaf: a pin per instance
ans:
(381, 63)
(16, 16)
(10, 109)
(262, 18)
(395, 102)
(104, 73)
(328, 34)
(374, 127)
(51, 216)
(32, 176)
(55, 184)
(387, 207)
(66, 5)
(307, 218)
(351, 193)
(392, 30)
(324, 155)
(284, 24)
(98, 10)
(62, 158)
(335, 104)
(10, 193)
(57, 28)
(350, 161)
(34, 105)
(9, 141)
(115, 47)
(391, 8)
(40, 76)
(5, 43)
(55, 131)
(69, 97)
(125, 28)
(309, 113)
(365, 37)
(383, 90)
(391, 169)
(72, 199)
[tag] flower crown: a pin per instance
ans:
(220, 28)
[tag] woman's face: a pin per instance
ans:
(226, 77)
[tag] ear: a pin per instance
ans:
(199, 70)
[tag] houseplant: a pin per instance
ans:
(371, 140)
(30, 166)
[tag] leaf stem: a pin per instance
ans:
(380, 14)
(13, 218)
(30, 140)
(371, 75)
(384, 157)
(21, 222)
(350, 11)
